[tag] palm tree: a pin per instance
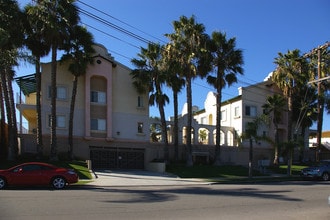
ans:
(189, 46)
(3, 133)
(11, 38)
(149, 77)
(251, 132)
(7, 76)
(79, 50)
(291, 74)
(176, 83)
(35, 41)
(60, 16)
(304, 112)
(228, 61)
(274, 107)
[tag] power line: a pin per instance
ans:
(103, 32)
(106, 14)
(126, 57)
(116, 27)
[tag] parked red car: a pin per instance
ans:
(37, 174)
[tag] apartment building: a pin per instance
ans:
(111, 120)
(235, 114)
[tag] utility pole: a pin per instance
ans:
(320, 106)
(320, 91)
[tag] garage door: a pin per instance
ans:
(117, 158)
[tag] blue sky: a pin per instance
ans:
(262, 29)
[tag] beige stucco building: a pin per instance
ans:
(111, 120)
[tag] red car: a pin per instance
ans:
(37, 174)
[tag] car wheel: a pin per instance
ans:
(2, 182)
(325, 176)
(58, 182)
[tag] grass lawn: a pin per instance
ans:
(283, 169)
(209, 171)
(227, 174)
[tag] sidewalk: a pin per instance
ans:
(139, 178)
(117, 178)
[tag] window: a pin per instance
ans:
(236, 111)
(98, 124)
(61, 92)
(251, 111)
(223, 115)
(140, 101)
(31, 167)
(60, 121)
(203, 120)
(140, 127)
(98, 97)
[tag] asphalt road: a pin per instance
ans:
(287, 200)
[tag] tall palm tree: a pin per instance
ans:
(79, 50)
(304, 113)
(227, 62)
(189, 47)
(176, 83)
(3, 133)
(11, 38)
(291, 74)
(36, 43)
(149, 77)
(60, 16)
(274, 107)
(7, 75)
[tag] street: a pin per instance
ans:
(285, 200)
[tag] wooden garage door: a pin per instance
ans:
(117, 158)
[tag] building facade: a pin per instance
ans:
(111, 120)
(236, 113)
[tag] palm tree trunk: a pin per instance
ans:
(290, 139)
(13, 130)
(53, 137)
(39, 123)
(276, 148)
(164, 131)
(163, 123)
(290, 117)
(3, 129)
(176, 126)
(72, 105)
(189, 122)
(250, 157)
(217, 160)
(11, 141)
